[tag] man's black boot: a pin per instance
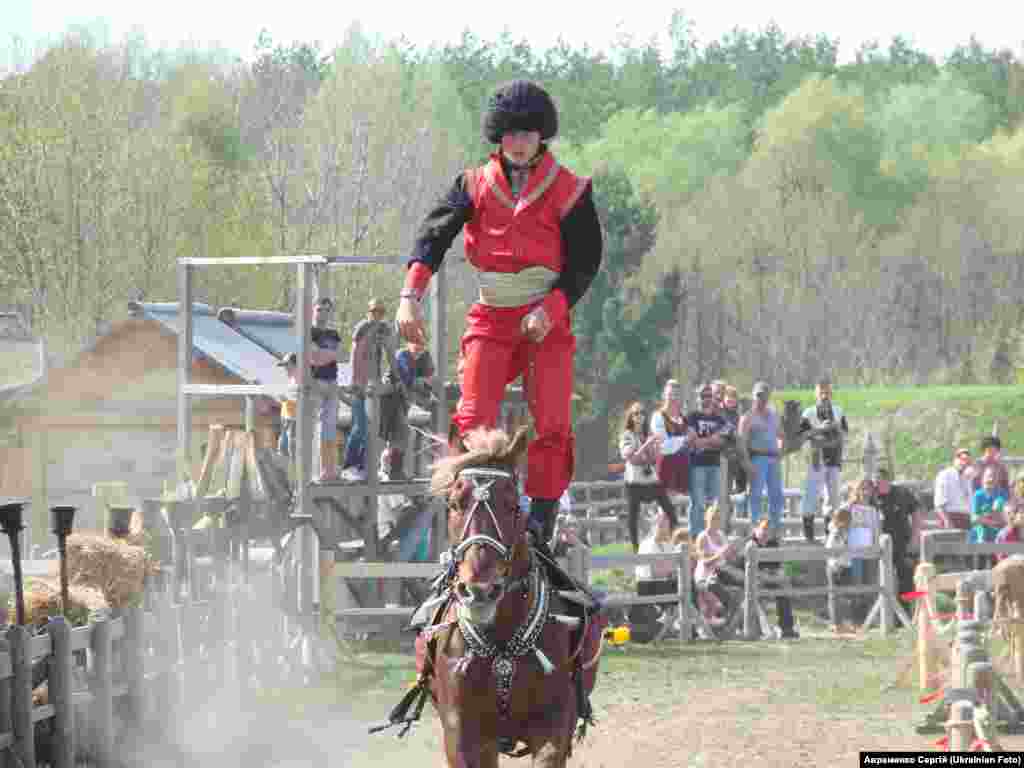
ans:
(542, 527)
(809, 529)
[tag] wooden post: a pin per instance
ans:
(886, 584)
(6, 699)
(21, 699)
(328, 595)
(60, 689)
(981, 679)
(926, 630)
(960, 726)
(1017, 648)
(133, 655)
(751, 623)
(304, 435)
(683, 576)
(724, 499)
(169, 697)
(102, 685)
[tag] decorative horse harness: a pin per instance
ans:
(504, 659)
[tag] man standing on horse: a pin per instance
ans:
(533, 237)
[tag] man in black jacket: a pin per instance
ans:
(897, 505)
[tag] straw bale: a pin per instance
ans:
(115, 567)
(42, 600)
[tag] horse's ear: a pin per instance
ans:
(517, 447)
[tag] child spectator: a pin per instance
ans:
(991, 449)
(289, 404)
(713, 552)
(839, 570)
(865, 527)
(1014, 532)
(986, 513)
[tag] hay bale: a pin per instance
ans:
(115, 567)
(42, 600)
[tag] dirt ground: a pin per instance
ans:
(816, 701)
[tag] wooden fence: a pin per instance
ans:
(122, 675)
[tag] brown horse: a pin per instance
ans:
(503, 659)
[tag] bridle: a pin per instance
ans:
(483, 480)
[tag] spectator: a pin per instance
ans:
(761, 431)
(324, 361)
(987, 513)
(669, 426)
(718, 394)
(953, 492)
(839, 571)
(731, 412)
(864, 531)
(660, 578)
(567, 534)
(762, 536)
(1017, 493)
(829, 426)
(1014, 532)
(367, 338)
(897, 505)
(704, 428)
(661, 540)
(289, 405)
(410, 377)
(639, 450)
(991, 450)
(713, 552)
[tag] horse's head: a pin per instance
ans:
(486, 526)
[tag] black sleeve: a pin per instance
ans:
(843, 424)
(582, 242)
(442, 225)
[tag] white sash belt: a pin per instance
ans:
(514, 289)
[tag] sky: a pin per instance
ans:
(236, 26)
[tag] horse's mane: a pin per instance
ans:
(484, 447)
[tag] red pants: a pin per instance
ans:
(495, 352)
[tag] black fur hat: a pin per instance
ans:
(522, 106)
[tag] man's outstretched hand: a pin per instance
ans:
(409, 320)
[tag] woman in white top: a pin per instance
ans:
(865, 529)
(639, 449)
(668, 423)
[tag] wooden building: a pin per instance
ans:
(109, 414)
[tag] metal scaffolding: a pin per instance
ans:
(307, 492)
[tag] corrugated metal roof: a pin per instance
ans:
(274, 332)
(219, 342)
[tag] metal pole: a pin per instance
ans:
(62, 519)
(12, 524)
(439, 346)
(304, 438)
(184, 369)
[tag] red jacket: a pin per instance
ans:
(508, 236)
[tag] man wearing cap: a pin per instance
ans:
(897, 504)
(289, 405)
(761, 430)
(368, 338)
(829, 429)
(953, 492)
(324, 361)
(533, 237)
